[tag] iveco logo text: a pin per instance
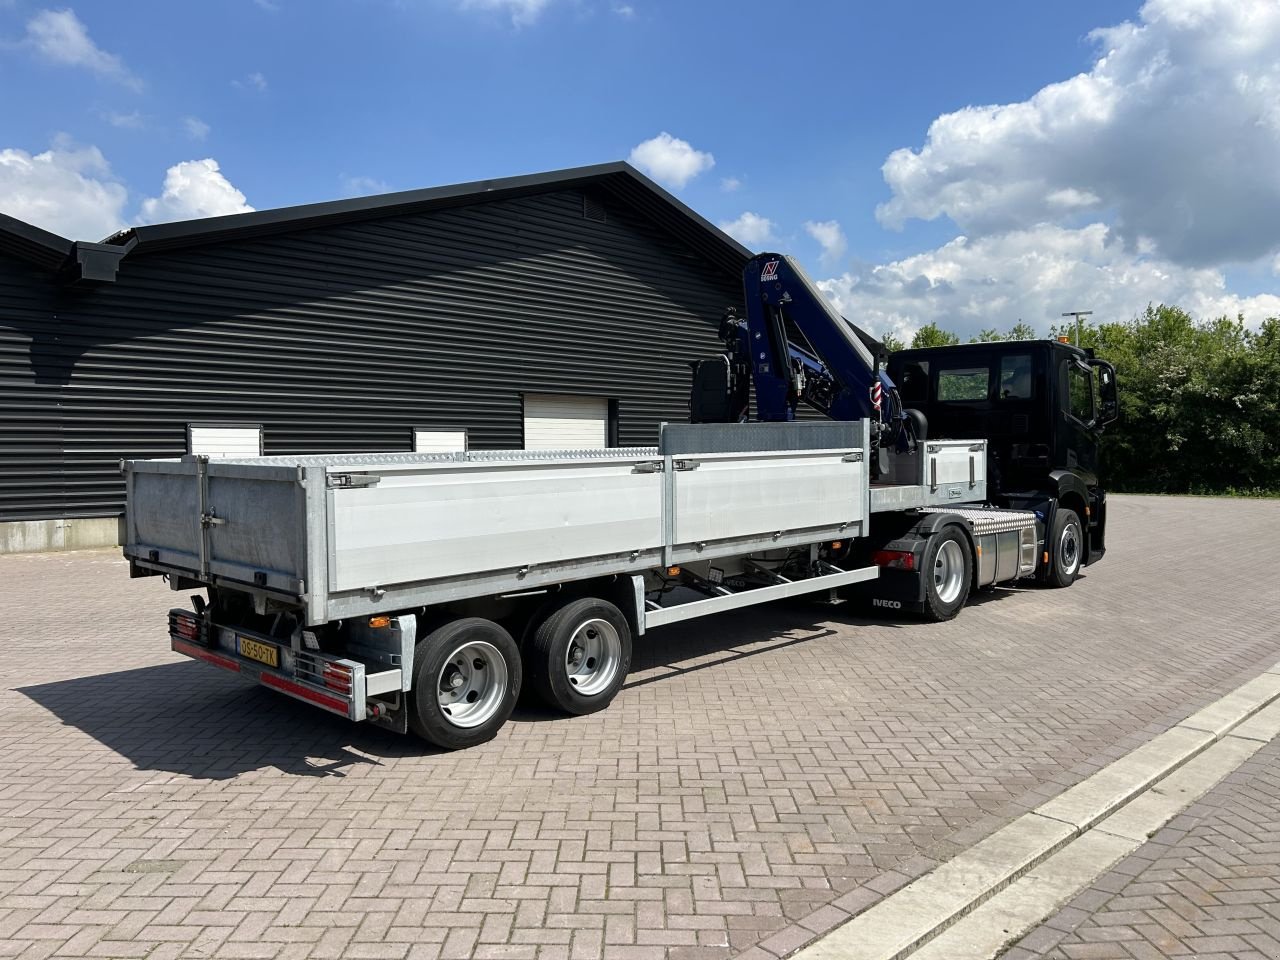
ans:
(891, 604)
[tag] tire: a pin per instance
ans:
(579, 656)
(948, 574)
(1066, 549)
(466, 678)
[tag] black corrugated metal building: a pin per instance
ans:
(343, 326)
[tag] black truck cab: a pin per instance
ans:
(1041, 405)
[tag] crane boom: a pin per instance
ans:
(795, 348)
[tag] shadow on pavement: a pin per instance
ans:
(191, 719)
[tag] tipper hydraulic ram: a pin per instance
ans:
(421, 591)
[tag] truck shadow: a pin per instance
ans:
(687, 648)
(189, 719)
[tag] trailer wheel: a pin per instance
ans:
(1066, 549)
(948, 574)
(466, 677)
(579, 656)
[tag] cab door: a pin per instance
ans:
(1078, 439)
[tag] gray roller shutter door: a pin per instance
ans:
(560, 422)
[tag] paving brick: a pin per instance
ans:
(1195, 915)
(759, 771)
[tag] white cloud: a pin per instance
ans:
(1171, 137)
(624, 10)
(670, 160)
(60, 37)
(830, 237)
(126, 121)
(750, 229)
(1033, 275)
(254, 81)
(196, 128)
(363, 186)
(523, 13)
(730, 184)
(69, 190)
(192, 189)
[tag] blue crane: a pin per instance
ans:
(795, 348)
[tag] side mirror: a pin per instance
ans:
(1108, 398)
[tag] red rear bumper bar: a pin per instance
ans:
(300, 691)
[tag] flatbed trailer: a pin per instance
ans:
(422, 591)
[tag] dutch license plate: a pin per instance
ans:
(267, 653)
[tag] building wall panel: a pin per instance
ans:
(30, 431)
(344, 338)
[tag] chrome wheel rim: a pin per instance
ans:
(472, 684)
(948, 571)
(593, 657)
(1069, 548)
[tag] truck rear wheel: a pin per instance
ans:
(579, 656)
(466, 677)
(947, 572)
(1066, 550)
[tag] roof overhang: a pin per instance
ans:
(33, 245)
(620, 179)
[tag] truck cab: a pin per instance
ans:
(1041, 405)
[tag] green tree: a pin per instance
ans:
(892, 343)
(1022, 331)
(990, 335)
(931, 335)
(1199, 402)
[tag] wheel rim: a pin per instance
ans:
(593, 657)
(1069, 549)
(948, 571)
(472, 684)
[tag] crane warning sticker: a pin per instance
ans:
(770, 271)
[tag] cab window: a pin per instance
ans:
(914, 383)
(1080, 393)
(1015, 377)
(963, 383)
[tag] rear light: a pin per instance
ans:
(185, 625)
(895, 559)
(337, 677)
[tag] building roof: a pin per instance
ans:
(620, 179)
(22, 240)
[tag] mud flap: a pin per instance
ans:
(891, 592)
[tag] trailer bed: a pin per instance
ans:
(350, 535)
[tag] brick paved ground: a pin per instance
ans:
(762, 774)
(1206, 886)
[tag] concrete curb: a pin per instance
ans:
(913, 916)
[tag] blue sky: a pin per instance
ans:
(786, 112)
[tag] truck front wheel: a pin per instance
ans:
(948, 574)
(1066, 549)
(466, 678)
(579, 656)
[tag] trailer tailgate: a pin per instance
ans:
(212, 520)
